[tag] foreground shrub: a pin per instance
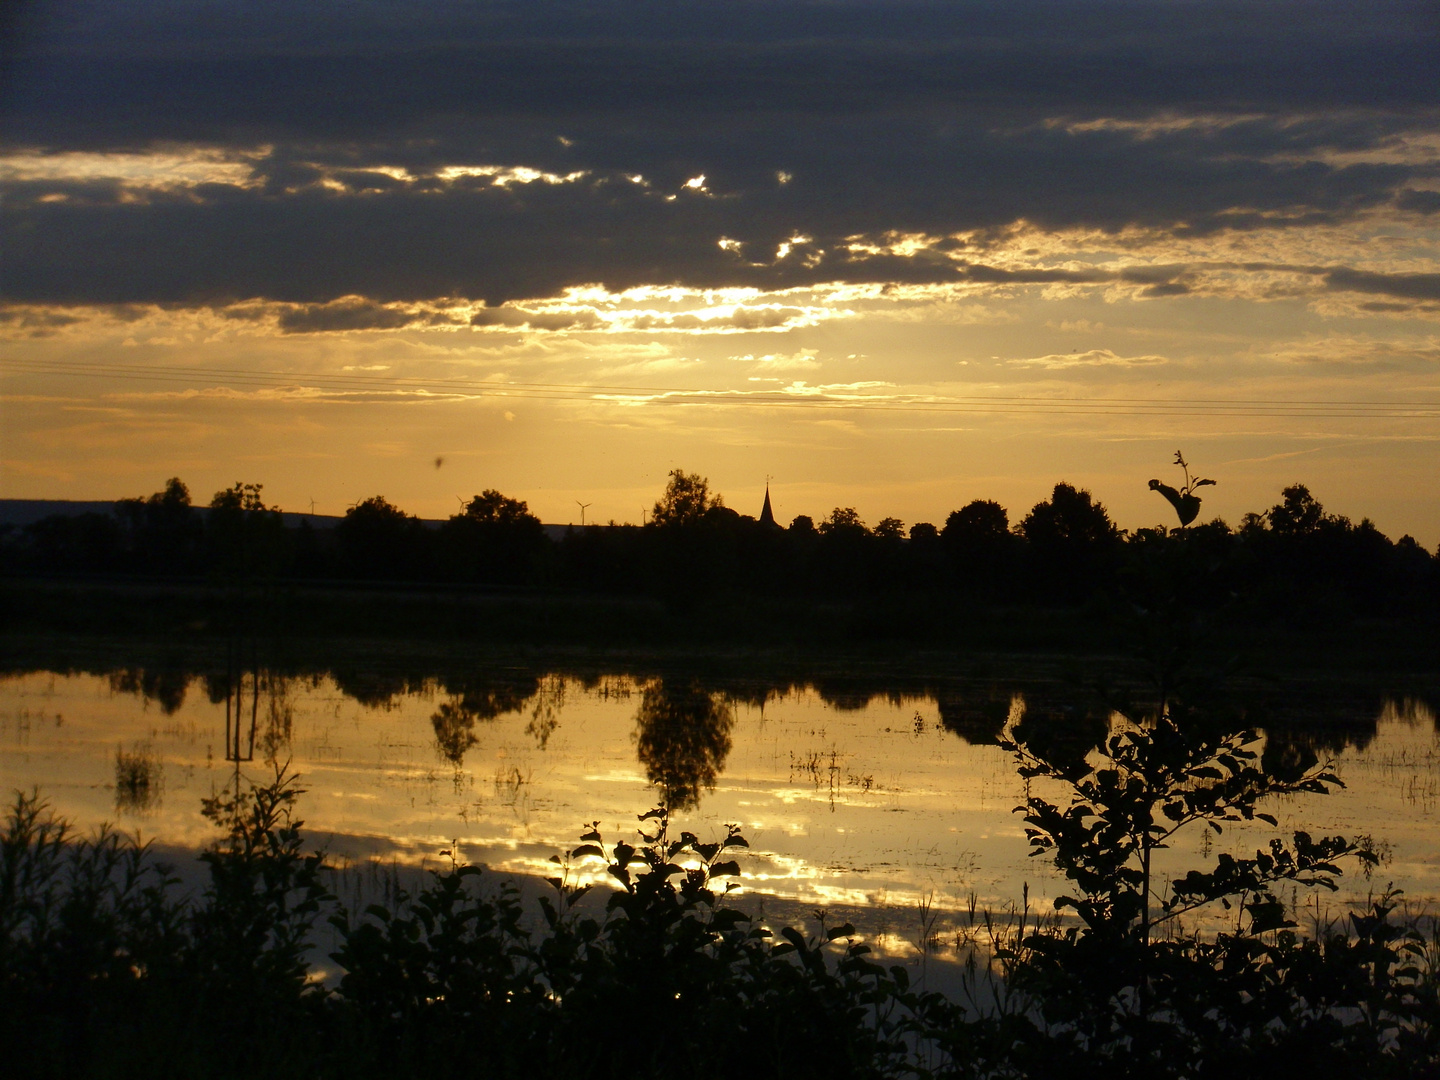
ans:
(109, 969)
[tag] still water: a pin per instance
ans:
(864, 805)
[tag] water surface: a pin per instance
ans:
(868, 802)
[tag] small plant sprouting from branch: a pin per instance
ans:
(1183, 499)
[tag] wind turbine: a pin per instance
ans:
(582, 511)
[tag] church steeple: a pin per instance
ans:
(767, 516)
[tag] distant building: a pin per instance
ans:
(767, 516)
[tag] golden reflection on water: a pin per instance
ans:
(875, 806)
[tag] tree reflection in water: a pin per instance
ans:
(165, 685)
(472, 701)
(139, 776)
(454, 730)
(682, 737)
(545, 712)
(279, 729)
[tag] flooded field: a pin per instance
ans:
(873, 803)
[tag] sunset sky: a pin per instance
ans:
(893, 255)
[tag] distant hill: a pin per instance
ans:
(18, 513)
(22, 512)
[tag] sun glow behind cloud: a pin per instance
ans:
(159, 168)
(770, 274)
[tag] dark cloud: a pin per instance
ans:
(1419, 202)
(1402, 286)
(348, 314)
(340, 68)
(33, 323)
(1169, 288)
(40, 319)
(888, 118)
(991, 275)
(518, 318)
(1381, 307)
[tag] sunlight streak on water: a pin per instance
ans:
(876, 806)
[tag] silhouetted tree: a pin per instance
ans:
(605, 559)
(493, 539)
(697, 546)
(980, 548)
(239, 497)
(890, 529)
(379, 540)
(1071, 516)
(492, 508)
(1072, 540)
(685, 499)
(977, 523)
(86, 543)
(843, 521)
(1298, 514)
(244, 537)
(174, 497)
(163, 534)
(720, 516)
(1312, 564)
(843, 560)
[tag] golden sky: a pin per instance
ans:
(894, 256)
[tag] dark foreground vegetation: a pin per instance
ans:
(109, 968)
(1295, 558)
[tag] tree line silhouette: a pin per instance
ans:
(1065, 550)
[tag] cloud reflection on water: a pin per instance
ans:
(896, 806)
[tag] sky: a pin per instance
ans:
(890, 255)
